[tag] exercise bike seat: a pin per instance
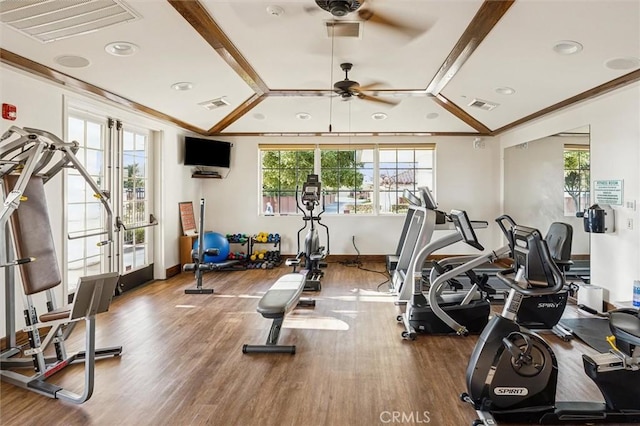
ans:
(625, 325)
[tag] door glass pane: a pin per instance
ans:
(135, 204)
(84, 214)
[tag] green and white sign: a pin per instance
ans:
(608, 192)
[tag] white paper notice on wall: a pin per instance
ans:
(608, 192)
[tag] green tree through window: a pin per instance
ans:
(576, 180)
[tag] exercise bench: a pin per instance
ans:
(278, 301)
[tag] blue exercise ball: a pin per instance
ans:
(214, 240)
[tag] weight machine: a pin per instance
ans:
(26, 165)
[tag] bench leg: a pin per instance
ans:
(272, 341)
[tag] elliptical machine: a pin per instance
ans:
(512, 373)
(313, 252)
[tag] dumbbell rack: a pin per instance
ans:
(238, 239)
(266, 263)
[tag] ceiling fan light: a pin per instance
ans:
(432, 115)
(303, 116)
(339, 8)
(379, 116)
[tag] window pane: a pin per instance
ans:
(576, 180)
(403, 169)
(76, 130)
(94, 135)
(283, 172)
(76, 188)
(94, 216)
(127, 141)
(94, 162)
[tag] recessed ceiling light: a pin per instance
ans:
(259, 116)
(379, 116)
(72, 61)
(626, 63)
(303, 116)
(182, 86)
(121, 48)
(275, 10)
(432, 115)
(505, 90)
(567, 47)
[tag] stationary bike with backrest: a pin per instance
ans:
(544, 312)
(313, 253)
(512, 374)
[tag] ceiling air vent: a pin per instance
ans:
(48, 21)
(343, 29)
(214, 103)
(485, 105)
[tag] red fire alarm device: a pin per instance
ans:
(9, 112)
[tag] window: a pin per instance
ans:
(282, 171)
(403, 168)
(347, 180)
(576, 178)
(356, 179)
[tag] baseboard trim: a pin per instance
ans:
(173, 271)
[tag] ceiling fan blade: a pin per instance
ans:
(370, 86)
(369, 15)
(378, 100)
(312, 10)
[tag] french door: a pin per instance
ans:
(117, 156)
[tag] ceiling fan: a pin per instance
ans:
(348, 88)
(342, 8)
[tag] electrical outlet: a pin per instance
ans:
(630, 224)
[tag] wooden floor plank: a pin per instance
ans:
(182, 362)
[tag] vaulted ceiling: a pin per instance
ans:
(261, 67)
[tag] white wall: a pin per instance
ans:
(534, 190)
(614, 120)
(466, 178)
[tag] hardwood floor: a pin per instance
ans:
(182, 362)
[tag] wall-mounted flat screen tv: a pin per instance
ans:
(206, 152)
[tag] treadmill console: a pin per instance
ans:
(463, 226)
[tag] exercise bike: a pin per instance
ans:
(313, 253)
(544, 312)
(512, 373)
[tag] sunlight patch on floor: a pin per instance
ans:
(315, 323)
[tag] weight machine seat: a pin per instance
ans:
(283, 295)
(625, 325)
